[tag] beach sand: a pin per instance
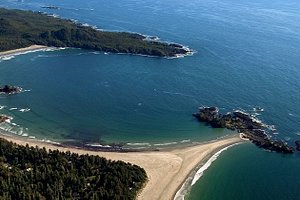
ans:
(22, 50)
(167, 169)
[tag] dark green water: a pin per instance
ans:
(246, 172)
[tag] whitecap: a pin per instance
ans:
(24, 110)
(13, 109)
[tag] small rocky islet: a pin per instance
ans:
(7, 89)
(250, 128)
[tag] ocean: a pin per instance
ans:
(247, 56)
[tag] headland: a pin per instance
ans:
(20, 29)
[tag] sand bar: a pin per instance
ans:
(167, 170)
(22, 50)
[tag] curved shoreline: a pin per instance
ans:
(174, 165)
(24, 50)
(7, 55)
(194, 177)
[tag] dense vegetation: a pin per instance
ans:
(24, 28)
(33, 173)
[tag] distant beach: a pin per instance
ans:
(167, 169)
(22, 50)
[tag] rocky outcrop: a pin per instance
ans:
(298, 145)
(4, 118)
(10, 89)
(252, 128)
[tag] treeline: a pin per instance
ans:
(29, 173)
(24, 28)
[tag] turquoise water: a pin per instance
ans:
(247, 56)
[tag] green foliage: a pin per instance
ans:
(32, 173)
(24, 28)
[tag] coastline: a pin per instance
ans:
(22, 50)
(174, 165)
(6, 55)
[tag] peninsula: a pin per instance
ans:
(19, 29)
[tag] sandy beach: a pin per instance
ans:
(22, 50)
(167, 170)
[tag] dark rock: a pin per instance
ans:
(10, 89)
(252, 128)
(4, 118)
(298, 144)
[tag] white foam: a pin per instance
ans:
(98, 145)
(166, 144)
(138, 144)
(181, 192)
(200, 172)
(13, 109)
(1, 107)
(7, 57)
(11, 56)
(24, 110)
(185, 141)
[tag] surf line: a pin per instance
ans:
(191, 180)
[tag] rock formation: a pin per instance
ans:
(252, 128)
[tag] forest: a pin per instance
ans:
(20, 29)
(29, 173)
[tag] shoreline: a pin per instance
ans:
(6, 55)
(175, 165)
(14, 52)
(198, 172)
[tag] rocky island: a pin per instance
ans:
(10, 89)
(19, 29)
(250, 127)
